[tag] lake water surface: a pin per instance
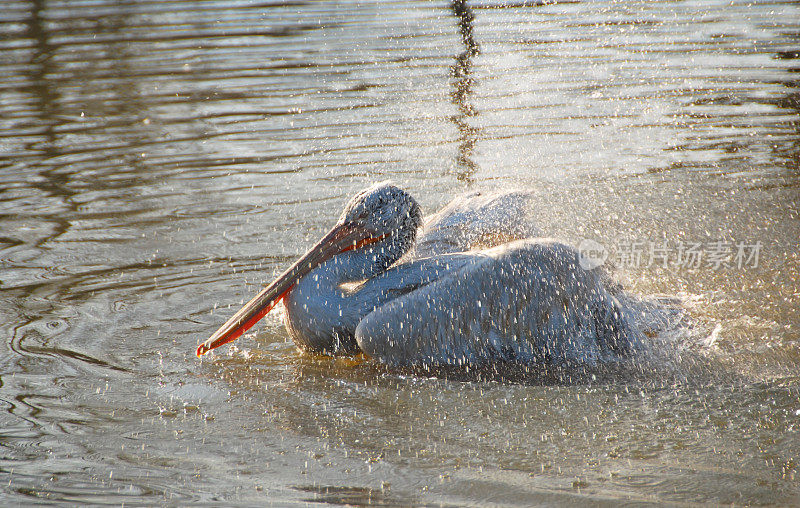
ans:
(161, 161)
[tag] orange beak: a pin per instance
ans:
(343, 237)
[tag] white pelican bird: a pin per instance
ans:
(445, 302)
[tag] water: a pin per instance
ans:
(163, 160)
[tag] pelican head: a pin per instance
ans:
(377, 227)
(383, 212)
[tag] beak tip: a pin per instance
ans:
(202, 349)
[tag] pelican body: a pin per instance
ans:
(370, 286)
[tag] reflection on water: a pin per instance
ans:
(159, 161)
(462, 91)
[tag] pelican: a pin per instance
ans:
(478, 287)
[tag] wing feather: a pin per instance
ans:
(528, 301)
(477, 219)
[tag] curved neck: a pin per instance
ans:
(321, 315)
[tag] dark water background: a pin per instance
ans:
(160, 161)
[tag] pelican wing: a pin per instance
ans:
(477, 219)
(527, 301)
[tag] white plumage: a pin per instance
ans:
(478, 288)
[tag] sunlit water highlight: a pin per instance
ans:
(160, 161)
